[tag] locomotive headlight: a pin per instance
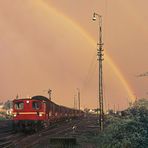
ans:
(40, 114)
(14, 115)
(27, 101)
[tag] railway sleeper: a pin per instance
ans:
(63, 141)
(5, 143)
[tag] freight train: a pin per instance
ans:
(38, 111)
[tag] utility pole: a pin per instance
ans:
(74, 101)
(17, 96)
(114, 108)
(78, 99)
(136, 99)
(108, 106)
(118, 108)
(49, 93)
(100, 61)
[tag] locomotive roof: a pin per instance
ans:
(35, 98)
(40, 98)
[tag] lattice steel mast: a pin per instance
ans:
(100, 61)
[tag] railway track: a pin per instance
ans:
(64, 129)
(61, 129)
(55, 130)
(5, 132)
(8, 138)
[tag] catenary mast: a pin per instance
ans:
(100, 64)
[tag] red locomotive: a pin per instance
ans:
(39, 111)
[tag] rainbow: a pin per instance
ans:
(50, 9)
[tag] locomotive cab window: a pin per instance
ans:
(36, 105)
(19, 105)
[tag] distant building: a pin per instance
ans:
(1, 105)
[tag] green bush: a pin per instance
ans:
(130, 131)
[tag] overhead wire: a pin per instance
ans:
(104, 36)
(93, 64)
